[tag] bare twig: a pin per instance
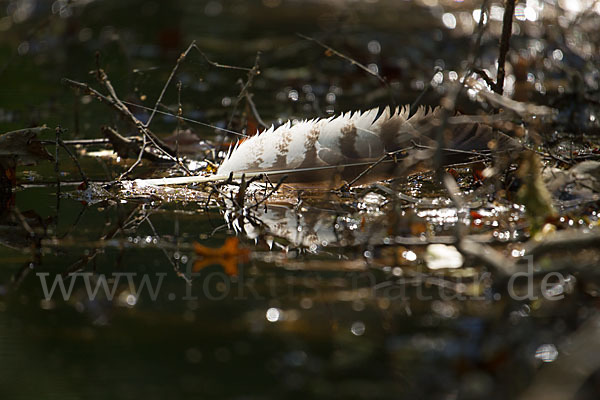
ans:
(137, 161)
(116, 103)
(251, 73)
(164, 89)
(448, 149)
(481, 25)
(509, 10)
(417, 101)
(345, 57)
(164, 250)
(216, 64)
(255, 111)
(179, 115)
(245, 92)
(91, 254)
(193, 121)
(351, 61)
(376, 163)
(64, 146)
(120, 106)
(524, 110)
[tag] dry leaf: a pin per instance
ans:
(228, 256)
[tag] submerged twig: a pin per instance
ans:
(166, 254)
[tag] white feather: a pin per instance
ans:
(348, 139)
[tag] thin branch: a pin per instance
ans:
(255, 111)
(509, 11)
(117, 104)
(469, 152)
(349, 59)
(345, 57)
(481, 25)
(417, 101)
(216, 64)
(83, 176)
(193, 121)
(376, 163)
(137, 162)
(164, 89)
(120, 106)
(244, 92)
(179, 115)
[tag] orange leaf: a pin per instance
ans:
(228, 256)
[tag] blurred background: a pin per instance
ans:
(299, 324)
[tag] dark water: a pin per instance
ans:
(317, 303)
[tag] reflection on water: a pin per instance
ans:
(323, 305)
(307, 229)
